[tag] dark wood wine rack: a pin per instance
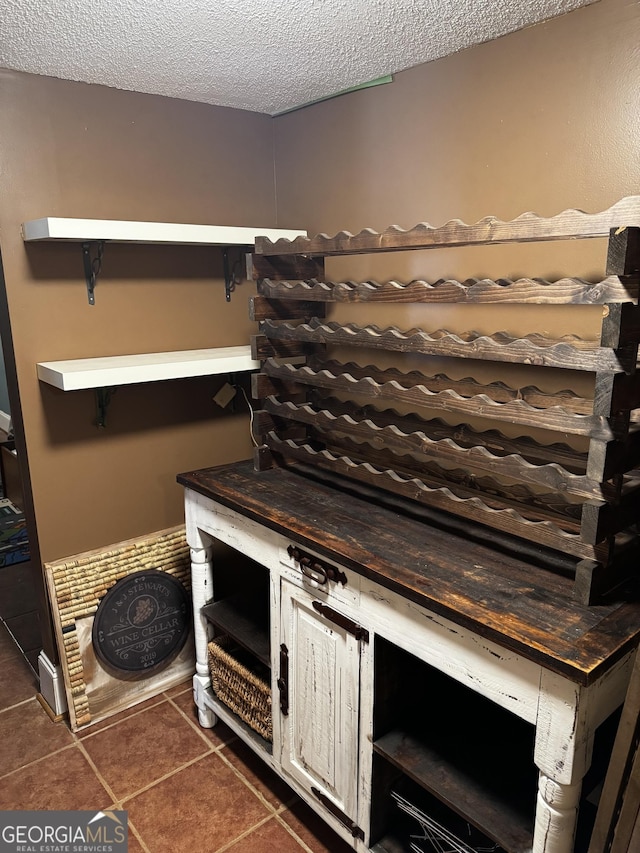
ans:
(344, 418)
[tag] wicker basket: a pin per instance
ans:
(246, 693)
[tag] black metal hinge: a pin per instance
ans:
(283, 680)
(353, 828)
(349, 625)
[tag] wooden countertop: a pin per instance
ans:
(437, 562)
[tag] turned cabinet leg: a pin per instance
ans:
(564, 742)
(202, 593)
(556, 816)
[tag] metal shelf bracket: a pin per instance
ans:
(230, 277)
(92, 266)
(103, 398)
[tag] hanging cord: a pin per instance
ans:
(253, 438)
(96, 263)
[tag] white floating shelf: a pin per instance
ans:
(124, 231)
(81, 373)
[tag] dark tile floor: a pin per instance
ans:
(185, 789)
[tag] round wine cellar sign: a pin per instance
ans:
(142, 622)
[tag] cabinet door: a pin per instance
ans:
(320, 729)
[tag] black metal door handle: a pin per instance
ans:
(314, 569)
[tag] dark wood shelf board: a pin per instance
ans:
(502, 820)
(528, 227)
(243, 619)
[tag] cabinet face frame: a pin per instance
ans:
(502, 676)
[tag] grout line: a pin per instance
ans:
(37, 760)
(249, 785)
(293, 833)
(166, 776)
(274, 812)
(18, 704)
(274, 817)
(199, 728)
(244, 835)
(188, 686)
(137, 835)
(86, 732)
(99, 775)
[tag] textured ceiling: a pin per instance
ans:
(249, 54)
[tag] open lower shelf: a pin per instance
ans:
(82, 373)
(246, 620)
(469, 760)
(261, 746)
(505, 815)
(125, 231)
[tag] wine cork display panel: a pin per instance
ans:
(122, 623)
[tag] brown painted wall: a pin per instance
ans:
(75, 150)
(543, 119)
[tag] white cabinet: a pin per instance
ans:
(375, 696)
(320, 651)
